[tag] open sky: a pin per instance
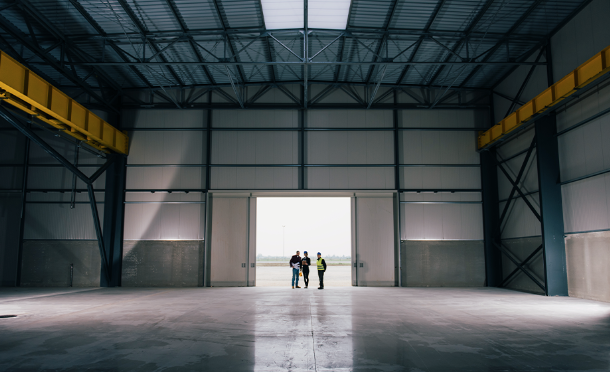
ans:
(312, 224)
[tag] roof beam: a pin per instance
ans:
(439, 5)
(514, 27)
(143, 33)
(49, 60)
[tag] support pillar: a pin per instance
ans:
(114, 218)
(551, 207)
(491, 213)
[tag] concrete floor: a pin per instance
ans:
(279, 329)
(274, 276)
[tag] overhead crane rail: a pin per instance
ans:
(583, 75)
(22, 88)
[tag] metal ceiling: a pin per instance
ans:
(109, 46)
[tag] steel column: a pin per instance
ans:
(24, 186)
(491, 212)
(551, 207)
(114, 218)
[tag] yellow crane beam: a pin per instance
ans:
(22, 88)
(583, 75)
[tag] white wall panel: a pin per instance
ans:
(358, 147)
(165, 178)
(158, 221)
(516, 144)
(229, 242)
(255, 118)
(375, 241)
(359, 178)
(255, 147)
(441, 221)
(440, 178)
(350, 119)
(582, 37)
(584, 150)
(443, 118)
(158, 118)
(429, 147)
(58, 221)
(586, 205)
(167, 147)
(266, 178)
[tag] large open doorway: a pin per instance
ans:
(285, 225)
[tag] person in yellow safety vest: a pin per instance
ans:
(321, 269)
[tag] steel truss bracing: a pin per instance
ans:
(112, 48)
(110, 273)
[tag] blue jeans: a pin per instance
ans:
(295, 277)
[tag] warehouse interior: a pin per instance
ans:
(137, 137)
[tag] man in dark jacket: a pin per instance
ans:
(305, 268)
(321, 264)
(295, 263)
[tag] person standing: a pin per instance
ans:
(295, 263)
(305, 268)
(321, 269)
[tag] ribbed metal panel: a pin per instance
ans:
(167, 147)
(582, 37)
(349, 119)
(255, 119)
(11, 178)
(529, 180)
(12, 144)
(457, 15)
(547, 16)
(370, 14)
(584, 150)
(443, 119)
(277, 95)
(232, 147)
(430, 147)
(165, 178)
(164, 221)
(344, 147)
(374, 178)
(441, 222)
(163, 119)
(413, 14)
(586, 205)
(59, 222)
(198, 14)
(242, 13)
(440, 178)
(266, 178)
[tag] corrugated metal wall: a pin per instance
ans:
(168, 152)
(248, 153)
(583, 152)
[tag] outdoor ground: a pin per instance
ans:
(280, 276)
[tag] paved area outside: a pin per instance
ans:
(278, 329)
(280, 276)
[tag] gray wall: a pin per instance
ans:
(588, 262)
(163, 263)
(11, 173)
(46, 263)
(582, 153)
(442, 263)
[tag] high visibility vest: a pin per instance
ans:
(320, 266)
